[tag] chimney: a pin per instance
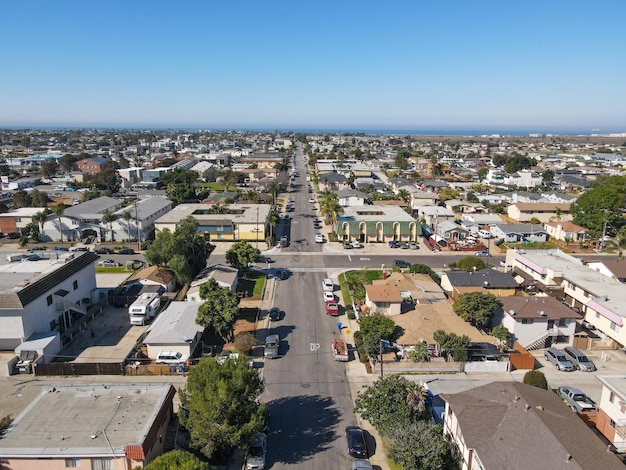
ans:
(568, 457)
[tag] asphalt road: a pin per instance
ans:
(307, 391)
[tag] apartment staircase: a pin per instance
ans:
(539, 342)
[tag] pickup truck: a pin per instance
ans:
(340, 350)
(332, 308)
(577, 400)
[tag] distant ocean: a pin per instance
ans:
(353, 130)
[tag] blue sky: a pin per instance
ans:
(323, 64)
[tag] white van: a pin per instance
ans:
(171, 357)
(484, 233)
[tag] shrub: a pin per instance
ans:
(244, 343)
(536, 379)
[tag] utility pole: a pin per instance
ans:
(381, 358)
(257, 228)
(137, 223)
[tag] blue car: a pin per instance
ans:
(393, 244)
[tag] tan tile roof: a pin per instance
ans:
(383, 293)
(154, 273)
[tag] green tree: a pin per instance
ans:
(471, 263)
(241, 254)
(374, 328)
(38, 198)
(476, 307)
(106, 179)
(58, 211)
(108, 218)
(448, 193)
(452, 344)
(40, 219)
(501, 333)
(596, 207)
(185, 251)
(498, 160)
(482, 173)
(179, 460)
(519, 162)
(404, 195)
(384, 404)
(547, 177)
(419, 445)
(127, 216)
(219, 406)
(536, 379)
(49, 168)
(425, 269)
(21, 199)
(219, 310)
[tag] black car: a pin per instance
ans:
(356, 442)
(276, 314)
(127, 251)
(60, 248)
(104, 251)
(80, 248)
(401, 263)
(281, 274)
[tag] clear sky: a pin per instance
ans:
(384, 64)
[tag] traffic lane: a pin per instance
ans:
(306, 390)
(356, 259)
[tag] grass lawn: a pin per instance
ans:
(120, 269)
(253, 283)
(215, 186)
(367, 275)
(531, 246)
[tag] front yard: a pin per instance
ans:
(251, 286)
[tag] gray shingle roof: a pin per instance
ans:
(494, 279)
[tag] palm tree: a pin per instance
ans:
(107, 219)
(272, 220)
(251, 195)
(40, 218)
(418, 399)
(329, 208)
(405, 195)
(58, 210)
(127, 216)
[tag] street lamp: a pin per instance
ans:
(256, 229)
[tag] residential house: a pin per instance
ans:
(16, 220)
(384, 298)
(524, 179)
(416, 288)
(602, 300)
(614, 267)
(463, 207)
(143, 215)
(375, 224)
(112, 426)
(234, 222)
(515, 233)
(350, 197)
(44, 295)
(486, 280)
(611, 420)
(82, 221)
(333, 182)
(537, 322)
(542, 211)
(566, 232)
(174, 329)
(450, 231)
(90, 165)
(433, 186)
(486, 424)
(431, 215)
(225, 276)
(164, 278)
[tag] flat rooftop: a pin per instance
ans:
(237, 213)
(87, 420)
(22, 272)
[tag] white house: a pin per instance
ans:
(43, 296)
(611, 420)
(174, 329)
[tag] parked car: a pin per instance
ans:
(414, 246)
(311, 200)
(276, 314)
(401, 263)
(171, 357)
(108, 263)
(319, 238)
(79, 248)
(328, 296)
(281, 274)
(126, 251)
(361, 465)
(357, 447)
(317, 225)
(255, 457)
(393, 244)
(328, 285)
(347, 246)
(579, 359)
(104, 251)
(557, 358)
(40, 248)
(404, 246)
(356, 244)
(60, 248)
(482, 253)
(577, 400)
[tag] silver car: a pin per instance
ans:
(557, 358)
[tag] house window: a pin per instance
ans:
(72, 463)
(49, 300)
(527, 321)
(612, 398)
(611, 423)
(615, 327)
(75, 284)
(101, 464)
(562, 322)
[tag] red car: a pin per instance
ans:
(332, 308)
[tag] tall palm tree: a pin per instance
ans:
(417, 399)
(40, 218)
(107, 219)
(58, 210)
(329, 208)
(127, 216)
(405, 195)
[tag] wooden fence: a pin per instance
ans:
(78, 368)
